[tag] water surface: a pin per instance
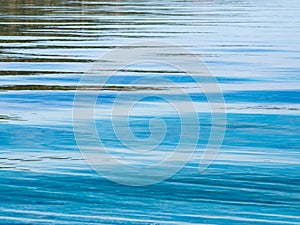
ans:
(252, 47)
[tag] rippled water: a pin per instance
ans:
(252, 47)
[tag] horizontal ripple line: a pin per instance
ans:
(74, 88)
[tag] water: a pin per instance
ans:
(252, 47)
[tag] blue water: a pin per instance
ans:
(252, 48)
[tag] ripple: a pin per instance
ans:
(14, 118)
(73, 88)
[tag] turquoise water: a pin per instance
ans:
(252, 47)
